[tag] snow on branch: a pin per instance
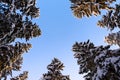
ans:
(98, 62)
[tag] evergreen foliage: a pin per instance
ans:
(88, 8)
(99, 62)
(111, 21)
(16, 22)
(54, 72)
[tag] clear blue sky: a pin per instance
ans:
(60, 30)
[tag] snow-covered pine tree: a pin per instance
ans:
(88, 8)
(16, 22)
(99, 62)
(111, 21)
(54, 71)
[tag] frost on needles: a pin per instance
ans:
(16, 22)
(98, 62)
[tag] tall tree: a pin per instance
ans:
(16, 22)
(111, 21)
(99, 62)
(54, 72)
(88, 8)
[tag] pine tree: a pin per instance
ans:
(88, 8)
(111, 21)
(16, 22)
(54, 72)
(99, 62)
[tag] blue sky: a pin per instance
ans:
(60, 30)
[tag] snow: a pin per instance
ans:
(102, 54)
(47, 77)
(77, 55)
(113, 60)
(98, 74)
(104, 59)
(50, 67)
